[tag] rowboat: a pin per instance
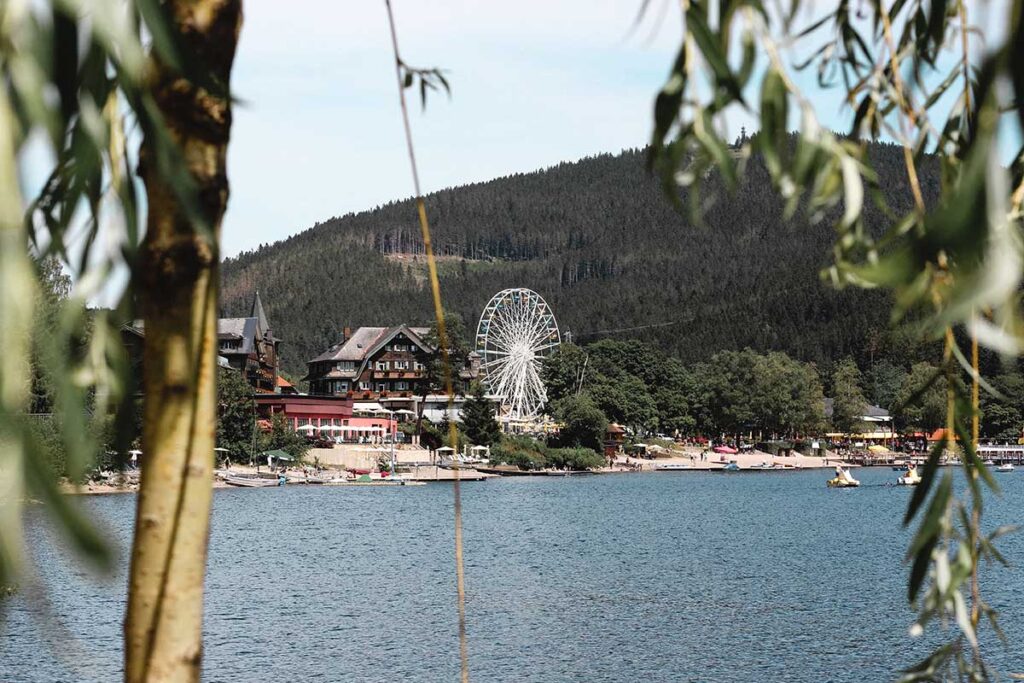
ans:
(253, 481)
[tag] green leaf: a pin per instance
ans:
(774, 114)
(931, 525)
(927, 474)
(919, 570)
(668, 102)
(696, 23)
(72, 521)
(926, 669)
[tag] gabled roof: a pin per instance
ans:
(238, 328)
(366, 341)
(392, 332)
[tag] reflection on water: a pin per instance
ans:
(659, 577)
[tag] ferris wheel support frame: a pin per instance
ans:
(517, 329)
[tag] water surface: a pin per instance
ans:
(654, 577)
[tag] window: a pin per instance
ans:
(343, 386)
(401, 365)
(399, 347)
(382, 365)
(382, 387)
(364, 386)
(401, 386)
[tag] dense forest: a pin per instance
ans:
(599, 241)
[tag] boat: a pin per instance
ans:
(253, 481)
(842, 480)
(731, 467)
(910, 478)
(671, 467)
(1005, 467)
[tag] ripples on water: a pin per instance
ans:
(652, 577)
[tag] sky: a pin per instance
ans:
(319, 134)
(317, 128)
(534, 82)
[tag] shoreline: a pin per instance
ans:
(748, 462)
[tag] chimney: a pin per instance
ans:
(347, 334)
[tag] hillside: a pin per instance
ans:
(599, 241)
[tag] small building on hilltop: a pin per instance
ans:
(387, 365)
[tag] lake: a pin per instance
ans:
(632, 577)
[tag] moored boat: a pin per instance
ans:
(253, 481)
(1005, 467)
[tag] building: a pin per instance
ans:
(245, 344)
(387, 365)
(876, 421)
(331, 418)
(250, 347)
(299, 410)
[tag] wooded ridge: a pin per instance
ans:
(599, 241)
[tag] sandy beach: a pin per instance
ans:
(691, 458)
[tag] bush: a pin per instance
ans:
(530, 454)
(574, 459)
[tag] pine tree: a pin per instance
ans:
(478, 418)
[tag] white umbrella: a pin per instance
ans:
(306, 428)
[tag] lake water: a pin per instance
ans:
(640, 577)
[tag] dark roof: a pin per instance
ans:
(258, 313)
(872, 411)
(238, 328)
(367, 340)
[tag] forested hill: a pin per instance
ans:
(600, 242)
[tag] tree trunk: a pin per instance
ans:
(177, 278)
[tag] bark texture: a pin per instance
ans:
(177, 279)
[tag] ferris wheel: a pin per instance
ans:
(516, 331)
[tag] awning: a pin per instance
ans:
(368, 408)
